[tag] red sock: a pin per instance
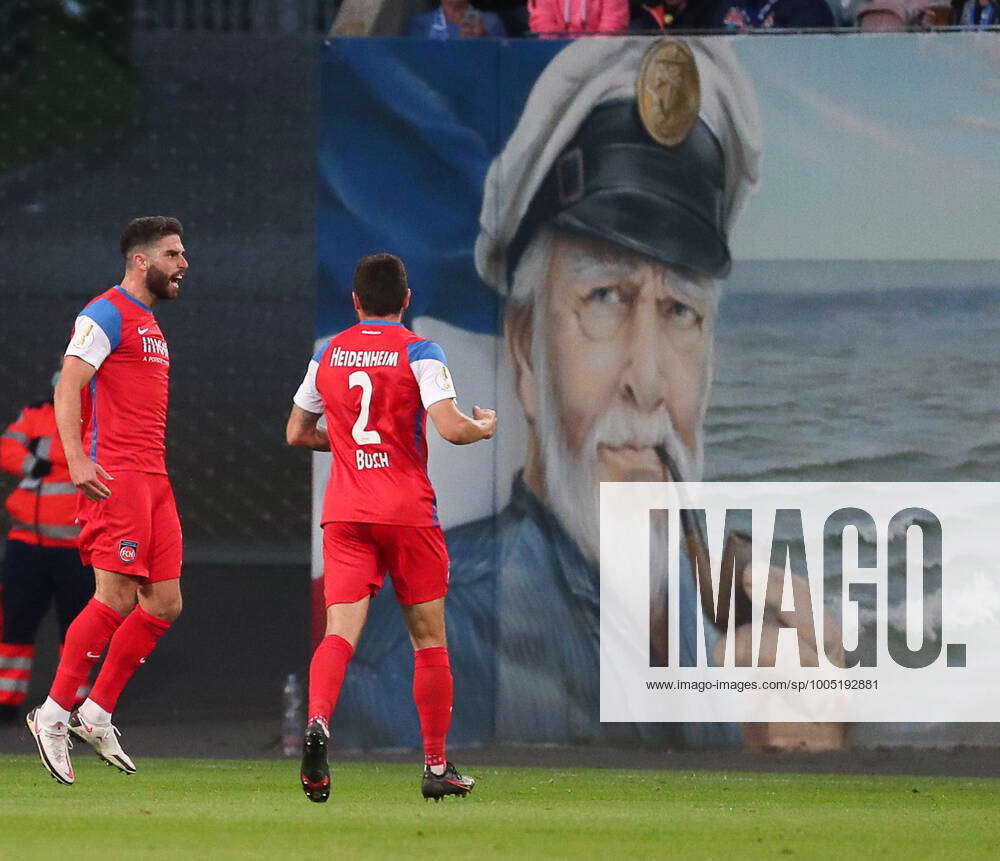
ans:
(132, 643)
(326, 675)
(81, 692)
(86, 638)
(432, 693)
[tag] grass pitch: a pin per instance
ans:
(231, 809)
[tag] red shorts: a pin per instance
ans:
(134, 531)
(357, 556)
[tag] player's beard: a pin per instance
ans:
(158, 283)
(572, 487)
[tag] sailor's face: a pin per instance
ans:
(629, 341)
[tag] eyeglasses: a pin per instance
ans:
(605, 312)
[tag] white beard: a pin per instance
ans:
(571, 485)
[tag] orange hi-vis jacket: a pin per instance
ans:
(42, 510)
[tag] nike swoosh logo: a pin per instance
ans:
(143, 331)
(92, 655)
(86, 728)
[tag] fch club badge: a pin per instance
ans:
(128, 550)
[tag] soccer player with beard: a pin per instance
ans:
(111, 412)
(376, 383)
(604, 224)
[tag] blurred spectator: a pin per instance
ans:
(41, 562)
(553, 17)
(513, 14)
(456, 19)
(845, 12)
(888, 16)
(651, 15)
(980, 13)
(774, 14)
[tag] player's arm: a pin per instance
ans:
(437, 393)
(458, 428)
(307, 407)
(83, 472)
(301, 430)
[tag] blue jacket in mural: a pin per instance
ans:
(522, 616)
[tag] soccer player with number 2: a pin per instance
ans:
(376, 383)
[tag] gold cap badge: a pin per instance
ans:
(668, 92)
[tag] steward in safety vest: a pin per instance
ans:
(41, 561)
(42, 508)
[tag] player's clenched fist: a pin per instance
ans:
(487, 419)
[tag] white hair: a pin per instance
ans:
(533, 267)
(571, 485)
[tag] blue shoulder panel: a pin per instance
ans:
(425, 350)
(108, 317)
(319, 353)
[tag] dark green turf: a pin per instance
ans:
(229, 809)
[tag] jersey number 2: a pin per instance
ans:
(360, 432)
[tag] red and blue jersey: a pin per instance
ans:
(124, 408)
(374, 383)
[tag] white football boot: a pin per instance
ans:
(103, 738)
(53, 746)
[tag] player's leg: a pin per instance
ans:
(433, 694)
(350, 579)
(327, 669)
(420, 574)
(86, 638)
(433, 688)
(24, 598)
(344, 623)
(133, 642)
(72, 584)
(88, 635)
(159, 604)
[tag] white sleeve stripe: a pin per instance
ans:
(307, 397)
(434, 380)
(89, 342)
(430, 400)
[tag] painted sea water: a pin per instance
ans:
(832, 371)
(860, 371)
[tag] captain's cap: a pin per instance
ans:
(651, 145)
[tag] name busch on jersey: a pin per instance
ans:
(374, 383)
